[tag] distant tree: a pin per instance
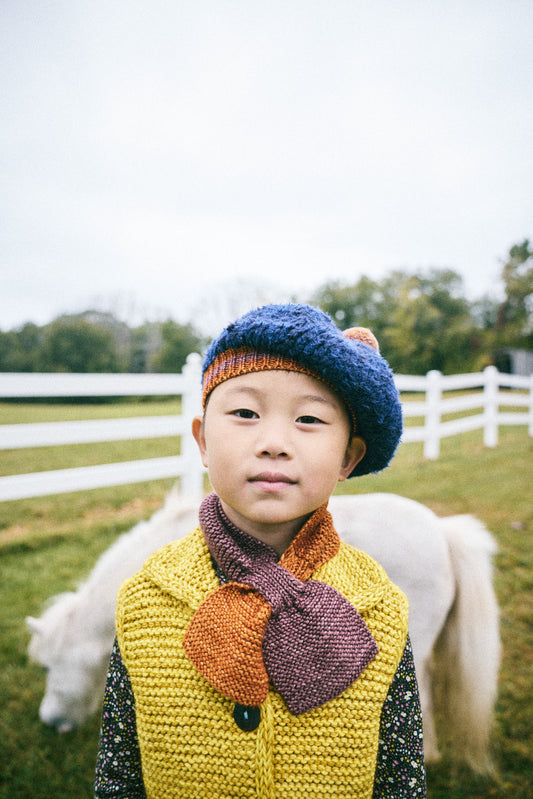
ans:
(8, 344)
(428, 324)
(19, 348)
(72, 344)
(514, 322)
(93, 341)
(29, 338)
(178, 341)
(484, 312)
(422, 321)
(145, 343)
(119, 331)
(357, 305)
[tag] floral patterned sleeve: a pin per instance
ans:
(118, 765)
(400, 771)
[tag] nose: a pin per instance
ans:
(56, 720)
(273, 440)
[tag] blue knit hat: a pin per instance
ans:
(305, 339)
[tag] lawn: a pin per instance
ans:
(48, 544)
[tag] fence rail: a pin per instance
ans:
(187, 466)
(487, 398)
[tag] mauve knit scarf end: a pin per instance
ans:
(269, 625)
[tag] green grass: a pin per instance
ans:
(27, 412)
(22, 461)
(48, 544)
(46, 512)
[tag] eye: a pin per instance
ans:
(245, 413)
(306, 419)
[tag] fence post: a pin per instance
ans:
(191, 405)
(433, 401)
(531, 405)
(490, 391)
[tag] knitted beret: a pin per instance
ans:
(304, 339)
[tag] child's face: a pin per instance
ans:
(275, 444)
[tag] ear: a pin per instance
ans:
(33, 624)
(355, 452)
(199, 436)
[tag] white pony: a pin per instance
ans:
(444, 565)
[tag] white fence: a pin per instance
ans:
(487, 399)
(187, 466)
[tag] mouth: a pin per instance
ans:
(271, 481)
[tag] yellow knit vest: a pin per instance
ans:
(191, 748)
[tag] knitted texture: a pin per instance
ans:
(302, 338)
(190, 746)
(362, 334)
(304, 636)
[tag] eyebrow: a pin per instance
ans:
(319, 398)
(243, 390)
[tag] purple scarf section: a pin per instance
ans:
(315, 644)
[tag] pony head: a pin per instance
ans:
(74, 656)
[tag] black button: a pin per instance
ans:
(247, 717)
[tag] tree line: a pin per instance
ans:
(94, 341)
(422, 320)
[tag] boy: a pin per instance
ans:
(260, 656)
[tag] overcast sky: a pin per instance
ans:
(152, 151)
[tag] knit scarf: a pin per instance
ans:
(271, 622)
